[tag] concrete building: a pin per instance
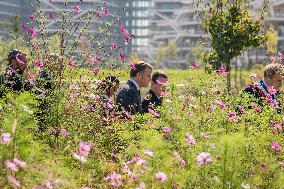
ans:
(137, 16)
(174, 22)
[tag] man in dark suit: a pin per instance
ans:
(129, 97)
(266, 90)
(154, 97)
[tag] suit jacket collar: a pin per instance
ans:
(135, 83)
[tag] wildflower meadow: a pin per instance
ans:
(201, 137)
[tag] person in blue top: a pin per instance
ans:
(267, 90)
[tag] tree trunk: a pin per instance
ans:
(236, 74)
(228, 69)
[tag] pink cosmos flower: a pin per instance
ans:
(114, 46)
(194, 64)
(253, 75)
(132, 66)
(32, 17)
(25, 27)
(106, 11)
(122, 28)
(161, 176)
(280, 57)
(222, 70)
(276, 146)
(77, 9)
(257, 108)
(20, 163)
(84, 149)
(51, 16)
(189, 139)
(148, 152)
(232, 116)
(141, 162)
(278, 127)
(38, 63)
(96, 71)
(122, 56)
(71, 63)
(13, 181)
(167, 129)
(91, 59)
(221, 104)
(272, 90)
(141, 186)
(11, 165)
(115, 179)
(64, 132)
(126, 36)
(178, 157)
(98, 58)
(203, 158)
(32, 31)
(6, 138)
(281, 163)
(153, 112)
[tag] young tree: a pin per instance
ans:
(272, 40)
(233, 26)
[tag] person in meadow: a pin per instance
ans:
(106, 90)
(12, 79)
(108, 86)
(266, 90)
(129, 97)
(154, 97)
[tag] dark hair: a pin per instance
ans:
(157, 74)
(107, 83)
(12, 55)
(139, 67)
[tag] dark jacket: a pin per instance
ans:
(152, 101)
(259, 97)
(129, 98)
(11, 80)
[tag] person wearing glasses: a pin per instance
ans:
(154, 97)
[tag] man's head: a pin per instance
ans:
(142, 72)
(274, 75)
(17, 60)
(159, 82)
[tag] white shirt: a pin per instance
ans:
(135, 83)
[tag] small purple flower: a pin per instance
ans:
(84, 149)
(276, 146)
(11, 166)
(64, 132)
(167, 129)
(13, 181)
(115, 179)
(203, 158)
(6, 138)
(232, 116)
(189, 139)
(161, 176)
(20, 163)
